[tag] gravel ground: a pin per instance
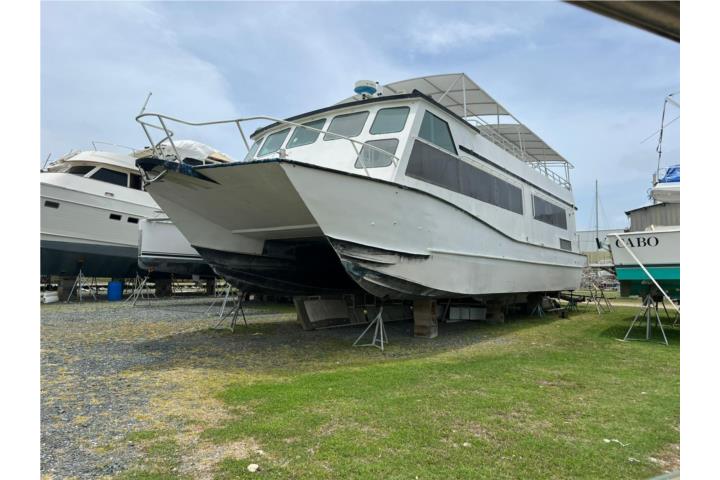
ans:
(109, 370)
(87, 406)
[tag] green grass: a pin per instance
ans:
(537, 406)
(533, 398)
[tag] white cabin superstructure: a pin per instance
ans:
(410, 194)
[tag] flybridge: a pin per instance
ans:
(463, 97)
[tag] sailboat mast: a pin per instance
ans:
(597, 222)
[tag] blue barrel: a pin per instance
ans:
(115, 291)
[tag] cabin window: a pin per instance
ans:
(251, 153)
(565, 244)
(133, 220)
(273, 142)
(81, 170)
(136, 182)
(115, 216)
(304, 136)
(390, 120)
(51, 204)
(192, 161)
(434, 166)
(349, 125)
(437, 131)
(549, 213)
(111, 176)
(371, 158)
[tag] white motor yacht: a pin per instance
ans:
(91, 204)
(423, 188)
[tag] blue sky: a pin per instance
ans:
(591, 87)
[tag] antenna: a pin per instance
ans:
(147, 99)
(658, 149)
(46, 160)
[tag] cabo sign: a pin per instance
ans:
(638, 242)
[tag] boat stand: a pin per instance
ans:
(649, 307)
(602, 303)
(79, 285)
(224, 303)
(234, 312)
(139, 290)
(379, 338)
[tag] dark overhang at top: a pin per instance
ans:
(659, 17)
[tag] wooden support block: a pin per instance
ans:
(425, 318)
(302, 315)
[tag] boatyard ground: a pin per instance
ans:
(152, 392)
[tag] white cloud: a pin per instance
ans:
(96, 75)
(433, 35)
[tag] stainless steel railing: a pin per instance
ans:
(488, 131)
(162, 119)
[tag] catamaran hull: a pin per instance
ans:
(253, 222)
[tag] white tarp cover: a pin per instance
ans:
(196, 150)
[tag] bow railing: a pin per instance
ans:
(143, 118)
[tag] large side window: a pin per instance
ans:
(390, 120)
(348, 125)
(111, 176)
(436, 131)
(81, 170)
(434, 166)
(549, 213)
(371, 158)
(304, 136)
(273, 142)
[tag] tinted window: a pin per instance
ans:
(135, 181)
(192, 161)
(565, 244)
(437, 131)
(274, 142)
(133, 220)
(371, 158)
(303, 136)
(251, 153)
(111, 176)
(349, 125)
(115, 216)
(549, 213)
(80, 169)
(390, 120)
(434, 166)
(51, 204)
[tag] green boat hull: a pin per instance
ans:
(634, 281)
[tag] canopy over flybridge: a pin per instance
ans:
(462, 96)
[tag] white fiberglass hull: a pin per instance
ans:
(163, 249)
(651, 247)
(77, 231)
(253, 222)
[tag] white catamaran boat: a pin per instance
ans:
(424, 188)
(91, 203)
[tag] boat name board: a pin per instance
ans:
(638, 242)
